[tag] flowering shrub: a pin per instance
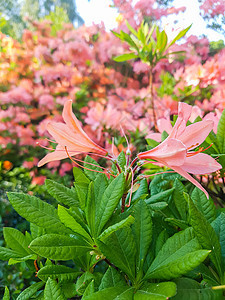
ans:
(121, 236)
(130, 226)
(40, 74)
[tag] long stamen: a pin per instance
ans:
(201, 149)
(106, 173)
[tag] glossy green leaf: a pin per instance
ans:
(83, 282)
(16, 240)
(109, 202)
(160, 196)
(191, 289)
(126, 222)
(120, 249)
(179, 36)
(71, 223)
(219, 226)
(111, 278)
(125, 57)
(6, 253)
(53, 291)
(92, 166)
(59, 272)
(177, 267)
(142, 229)
(206, 235)
(90, 209)
(176, 247)
(161, 41)
(112, 293)
(179, 200)
(131, 28)
(13, 261)
(61, 193)
(37, 211)
(204, 205)
(30, 291)
(156, 291)
(90, 289)
(6, 295)
(60, 247)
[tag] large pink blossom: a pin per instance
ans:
(175, 152)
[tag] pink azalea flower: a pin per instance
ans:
(69, 136)
(174, 152)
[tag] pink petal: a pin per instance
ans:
(65, 137)
(169, 152)
(164, 125)
(154, 136)
(201, 163)
(56, 155)
(70, 119)
(183, 173)
(196, 133)
(184, 113)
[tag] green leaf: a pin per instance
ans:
(37, 211)
(161, 42)
(30, 291)
(90, 210)
(109, 201)
(60, 247)
(71, 223)
(53, 291)
(179, 36)
(206, 235)
(61, 273)
(179, 200)
(142, 230)
(190, 289)
(90, 289)
(13, 261)
(219, 226)
(204, 205)
(6, 295)
(131, 28)
(178, 223)
(80, 177)
(126, 222)
(180, 266)
(83, 282)
(221, 133)
(61, 193)
(141, 192)
(16, 240)
(161, 239)
(120, 249)
(160, 196)
(113, 293)
(156, 291)
(6, 254)
(111, 278)
(172, 253)
(125, 57)
(95, 167)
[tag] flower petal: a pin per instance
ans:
(201, 163)
(56, 155)
(184, 113)
(169, 152)
(196, 133)
(183, 173)
(70, 119)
